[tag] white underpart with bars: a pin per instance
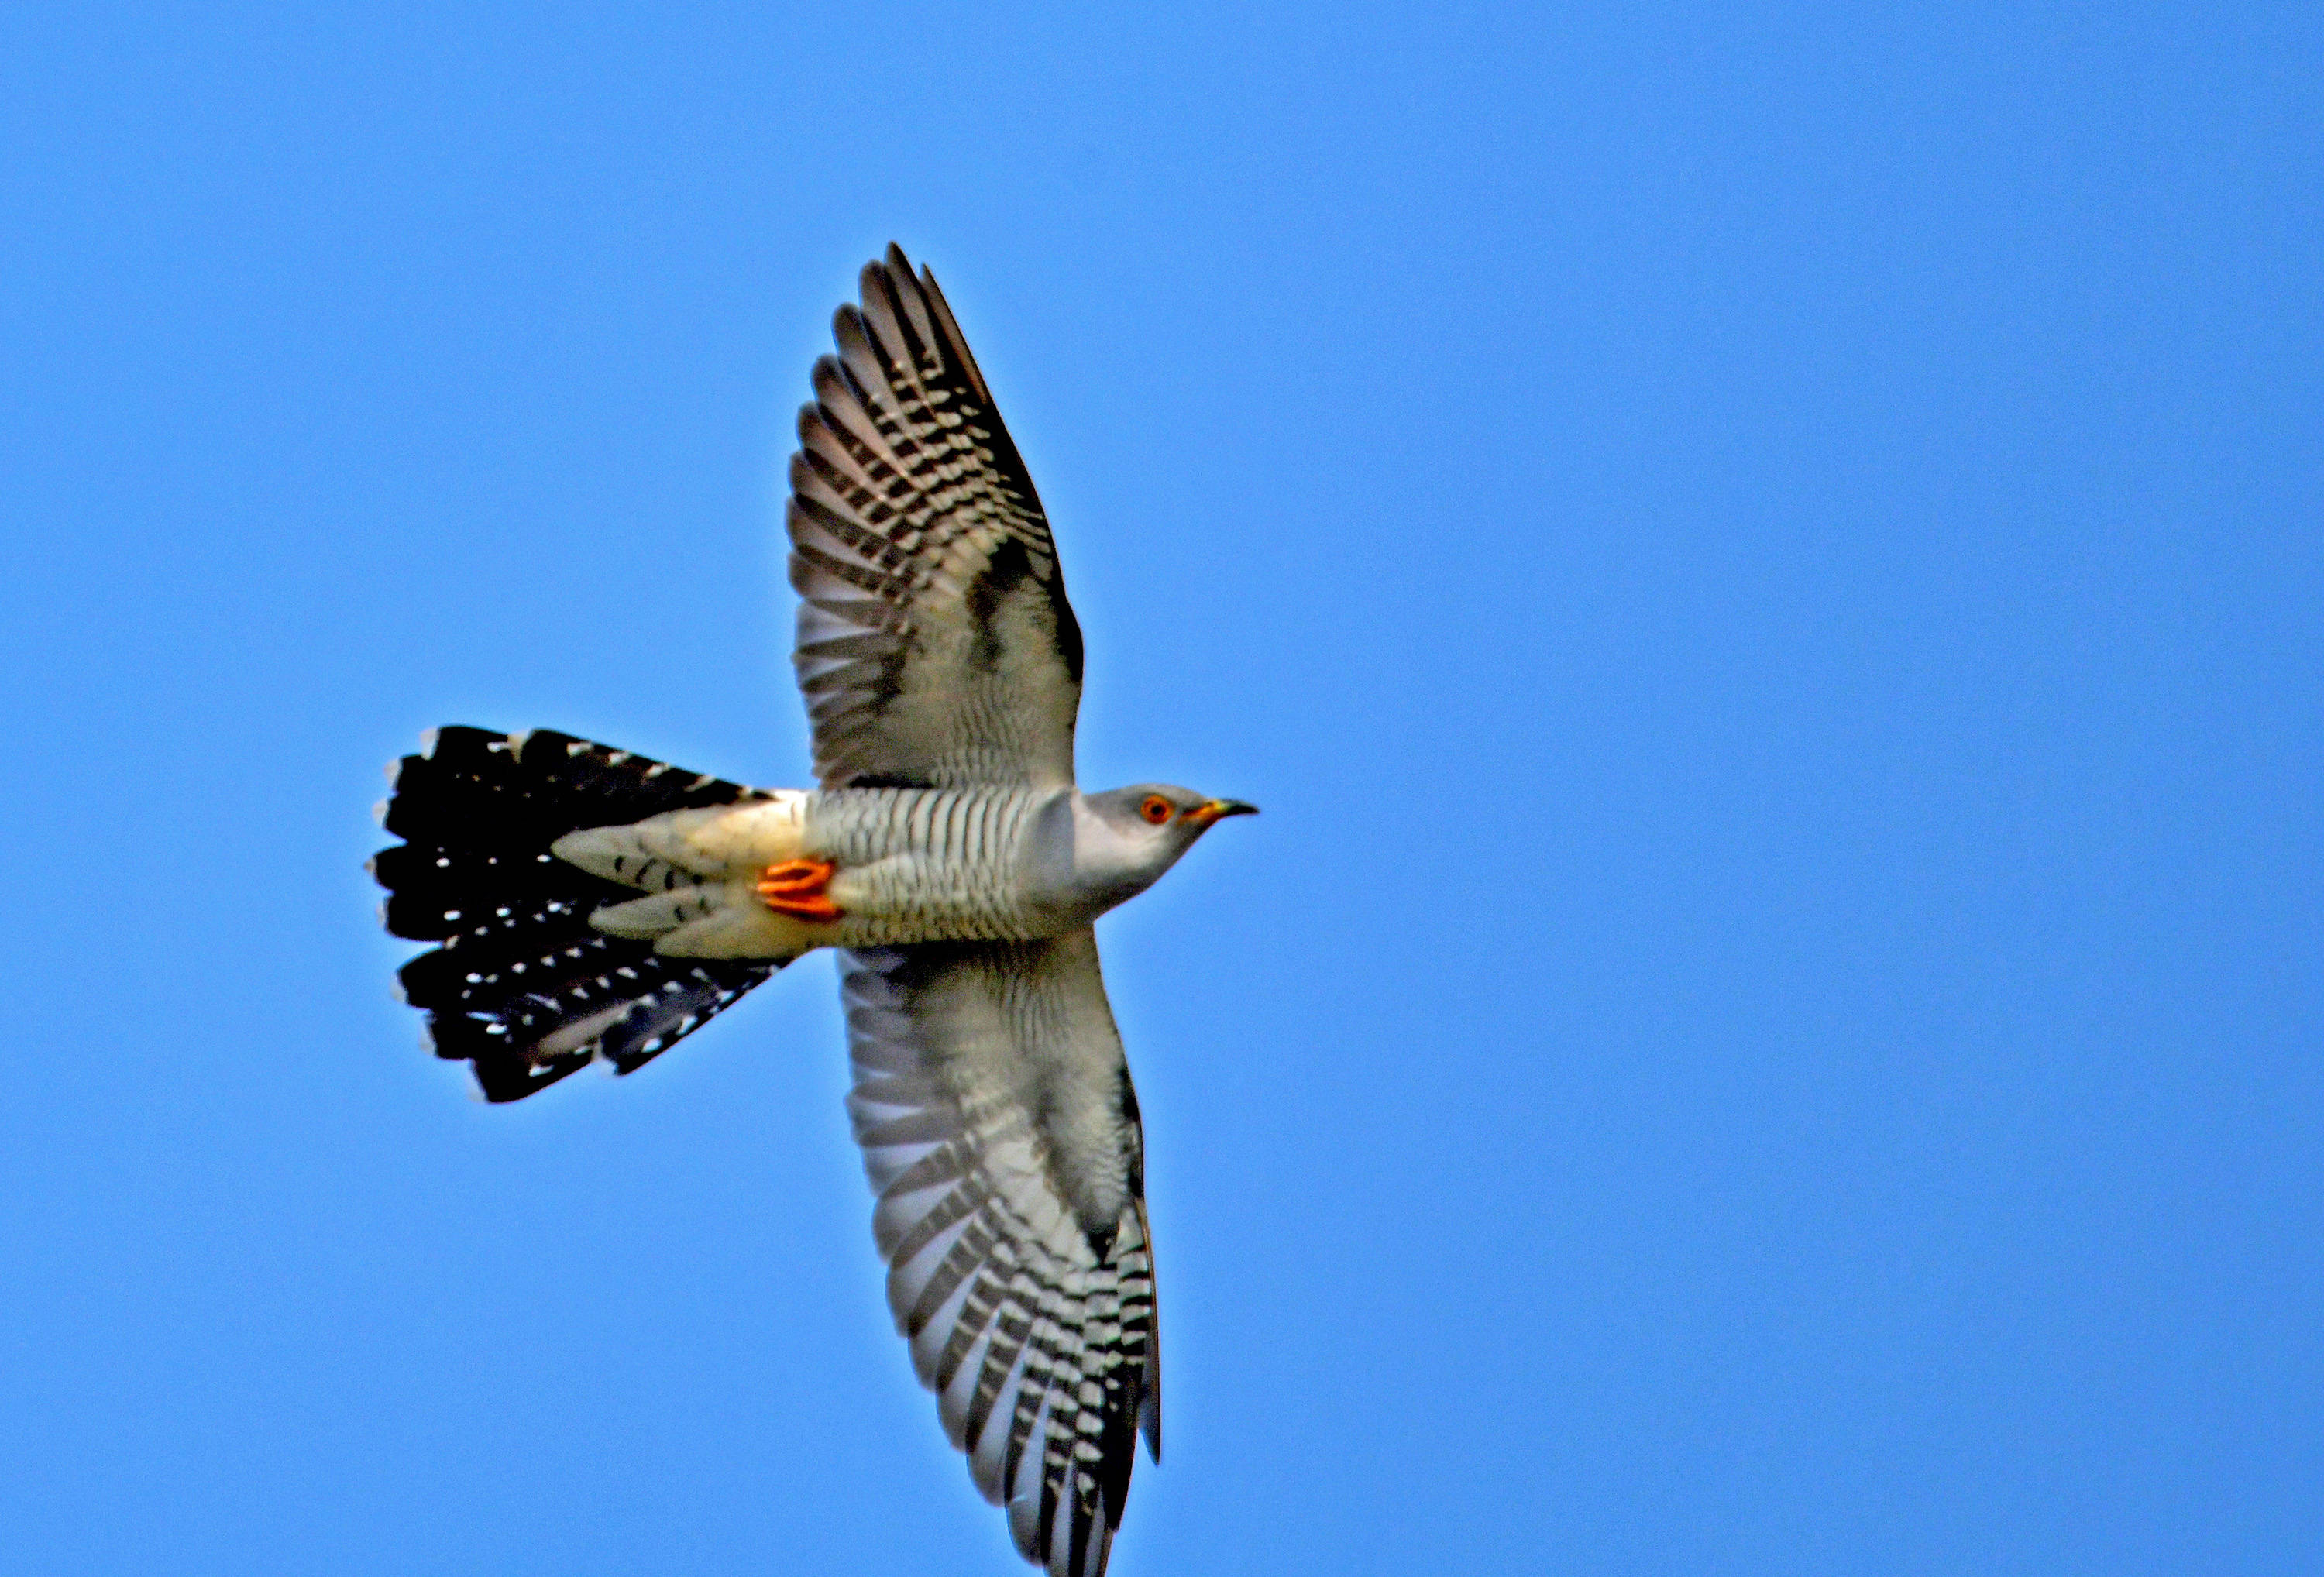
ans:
(906, 865)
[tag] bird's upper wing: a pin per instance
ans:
(1002, 1134)
(936, 647)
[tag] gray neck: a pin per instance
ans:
(1086, 865)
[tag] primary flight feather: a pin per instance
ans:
(591, 905)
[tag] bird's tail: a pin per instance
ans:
(520, 984)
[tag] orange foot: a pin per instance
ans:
(799, 887)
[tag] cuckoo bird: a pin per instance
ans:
(586, 905)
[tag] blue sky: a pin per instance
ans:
(1763, 561)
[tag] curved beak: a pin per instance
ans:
(1212, 810)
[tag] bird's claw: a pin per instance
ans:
(800, 887)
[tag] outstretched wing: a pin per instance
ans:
(936, 647)
(1002, 1134)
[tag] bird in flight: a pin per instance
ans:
(590, 905)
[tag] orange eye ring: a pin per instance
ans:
(1156, 810)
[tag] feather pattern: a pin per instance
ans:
(1000, 1132)
(520, 984)
(936, 647)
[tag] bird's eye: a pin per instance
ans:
(1156, 810)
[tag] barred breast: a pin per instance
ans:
(928, 865)
(908, 865)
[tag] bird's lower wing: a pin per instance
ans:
(1000, 1131)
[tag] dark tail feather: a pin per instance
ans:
(520, 984)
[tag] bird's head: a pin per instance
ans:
(1163, 815)
(1139, 831)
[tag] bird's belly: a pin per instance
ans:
(930, 865)
(908, 898)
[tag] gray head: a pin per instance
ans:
(1127, 837)
(1163, 814)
